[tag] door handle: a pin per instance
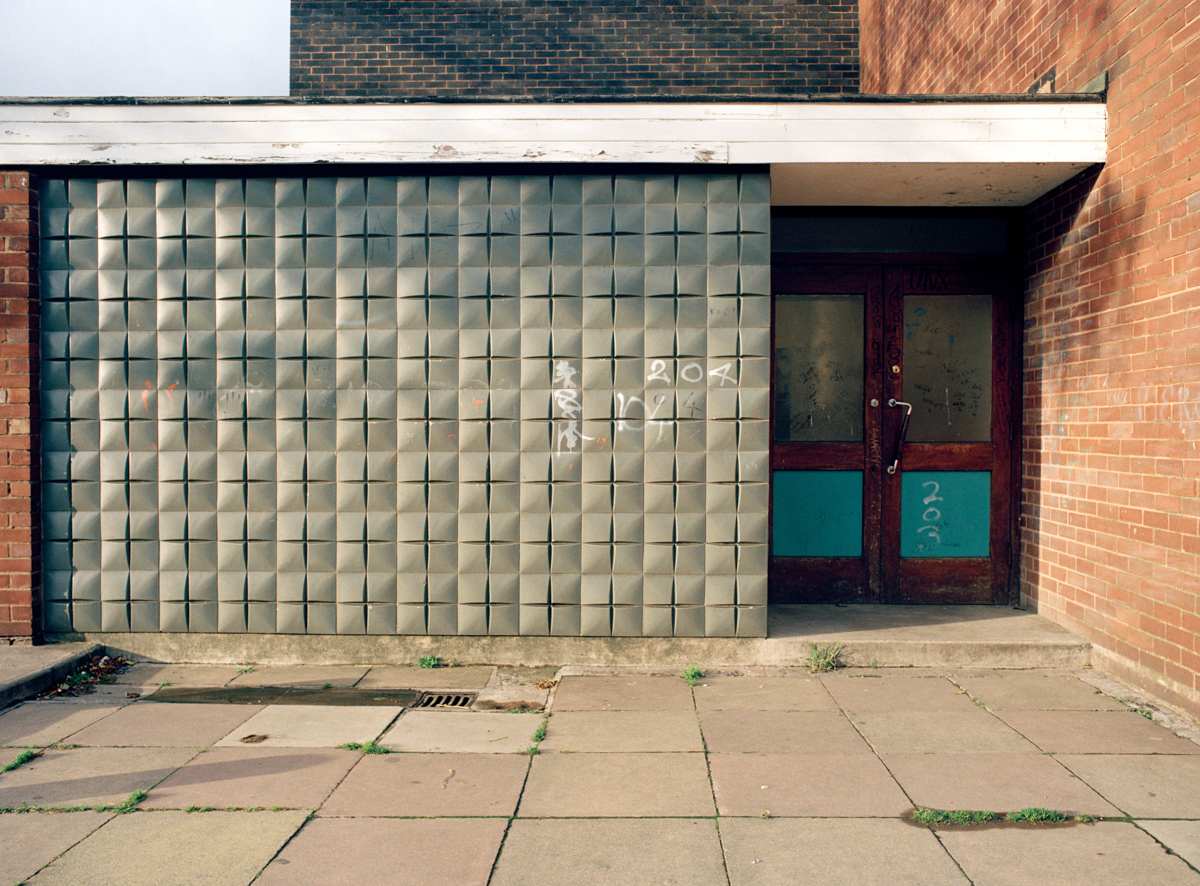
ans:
(903, 430)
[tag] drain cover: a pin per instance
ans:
(445, 700)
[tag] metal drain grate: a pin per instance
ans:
(445, 700)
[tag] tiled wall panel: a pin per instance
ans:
(443, 405)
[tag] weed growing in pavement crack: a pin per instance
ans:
(21, 759)
(368, 747)
(691, 674)
(823, 658)
(429, 661)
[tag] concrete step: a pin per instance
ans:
(884, 636)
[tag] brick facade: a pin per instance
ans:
(20, 617)
(538, 50)
(1110, 520)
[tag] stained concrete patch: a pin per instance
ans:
(461, 732)
(312, 726)
(682, 852)
(795, 693)
(1143, 785)
(627, 693)
(1036, 691)
(969, 730)
(33, 840)
(428, 852)
(245, 778)
(1181, 837)
(430, 785)
(849, 786)
(780, 732)
(613, 785)
(89, 776)
(151, 725)
(339, 676)
(623, 732)
(1083, 855)
(1097, 732)
(411, 677)
(865, 852)
(175, 849)
(38, 724)
(888, 692)
(994, 782)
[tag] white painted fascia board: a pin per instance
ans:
(896, 141)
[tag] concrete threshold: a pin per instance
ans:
(878, 635)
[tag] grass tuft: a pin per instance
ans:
(952, 816)
(823, 658)
(1035, 814)
(365, 747)
(21, 759)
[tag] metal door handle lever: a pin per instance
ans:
(903, 430)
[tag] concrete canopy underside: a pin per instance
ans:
(911, 152)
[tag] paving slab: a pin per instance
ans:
(1097, 732)
(818, 785)
(430, 785)
(1142, 785)
(1181, 837)
(793, 693)
(865, 852)
(156, 674)
(89, 776)
(311, 726)
(171, 726)
(175, 849)
(1075, 855)
(307, 676)
(27, 670)
(780, 732)
(245, 778)
(624, 693)
(891, 692)
(37, 724)
(32, 840)
(464, 732)
(994, 783)
(969, 730)
(412, 677)
(623, 732)
(1036, 691)
(583, 852)
(617, 785)
(422, 852)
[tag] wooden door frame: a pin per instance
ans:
(1000, 274)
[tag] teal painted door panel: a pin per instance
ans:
(818, 514)
(945, 513)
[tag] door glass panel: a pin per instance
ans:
(817, 514)
(819, 368)
(948, 367)
(945, 513)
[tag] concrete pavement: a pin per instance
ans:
(775, 777)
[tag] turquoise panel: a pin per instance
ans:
(817, 514)
(945, 513)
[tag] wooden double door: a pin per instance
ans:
(892, 423)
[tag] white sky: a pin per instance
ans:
(76, 48)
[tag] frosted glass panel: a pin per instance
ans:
(819, 368)
(818, 514)
(948, 367)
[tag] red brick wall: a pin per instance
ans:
(1110, 520)
(19, 558)
(573, 49)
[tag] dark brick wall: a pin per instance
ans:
(573, 49)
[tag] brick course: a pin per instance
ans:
(20, 615)
(571, 49)
(1110, 520)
